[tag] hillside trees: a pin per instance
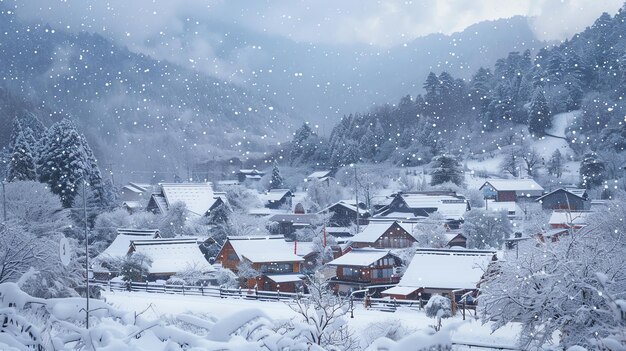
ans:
(446, 168)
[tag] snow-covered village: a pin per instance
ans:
(312, 175)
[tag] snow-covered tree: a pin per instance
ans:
(322, 315)
(431, 233)
(174, 220)
(446, 168)
(591, 170)
(510, 163)
(438, 307)
(574, 286)
(33, 207)
(485, 229)
(134, 267)
(22, 164)
(277, 181)
(555, 164)
(539, 119)
(65, 160)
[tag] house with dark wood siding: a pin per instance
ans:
(511, 190)
(566, 199)
(360, 268)
(275, 260)
(384, 235)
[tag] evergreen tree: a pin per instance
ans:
(367, 145)
(63, 161)
(539, 115)
(446, 169)
(591, 170)
(555, 164)
(22, 163)
(277, 181)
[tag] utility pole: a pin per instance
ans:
(4, 202)
(86, 254)
(356, 199)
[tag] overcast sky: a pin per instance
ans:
(184, 31)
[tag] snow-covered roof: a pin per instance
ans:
(304, 248)
(320, 175)
(137, 187)
(349, 204)
(400, 290)
(198, 197)
(132, 204)
(285, 278)
(359, 257)
(120, 245)
(513, 185)
(375, 230)
(251, 171)
(446, 269)
(508, 206)
(275, 195)
(228, 182)
(573, 191)
(560, 217)
(295, 218)
(258, 249)
(172, 255)
(450, 205)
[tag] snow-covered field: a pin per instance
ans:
(157, 306)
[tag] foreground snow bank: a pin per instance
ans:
(40, 324)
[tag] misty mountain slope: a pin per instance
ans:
(131, 107)
(325, 81)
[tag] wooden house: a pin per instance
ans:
(511, 190)
(359, 268)
(199, 198)
(566, 199)
(287, 223)
(384, 235)
(320, 176)
(274, 259)
(170, 256)
(117, 250)
(415, 206)
(277, 198)
(249, 175)
(562, 219)
(344, 213)
(451, 273)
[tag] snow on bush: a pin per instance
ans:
(438, 307)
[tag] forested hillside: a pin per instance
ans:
(465, 117)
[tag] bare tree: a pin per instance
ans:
(322, 315)
(18, 252)
(532, 161)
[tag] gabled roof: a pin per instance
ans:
(305, 219)
(446, 269)
(120, 245)
(560, 217)
(579, 193)
(449, 204)
(198, 197)
(275, 195)
(137, 187)
(513, 185)
(375, 230)
(348, 204)
(172, 255)
(259, 249)
(320, 175)
(359, 257)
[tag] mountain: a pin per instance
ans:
(322, 82)
(138, 112)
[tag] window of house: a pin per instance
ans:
(351, 272)
(276, 267)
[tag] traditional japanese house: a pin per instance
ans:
(566, 199)
(360, 268)
(102, 265)
(511, 190)
(384, 235)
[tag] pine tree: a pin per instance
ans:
(446, 169)
(539, 115)
(63, 162)
(555, 164)
(22, 163)
(277, 181)
(367, 145)
(591, 170)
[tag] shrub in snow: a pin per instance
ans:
(191, 276)
(135, 267)
(226, 278)
(391, 329)
(438, 307)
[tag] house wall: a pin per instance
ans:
(559, 200)
(506, 196)
(366, 274)
(394, 237)
(226, 257)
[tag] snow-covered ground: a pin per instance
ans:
(157, 306)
